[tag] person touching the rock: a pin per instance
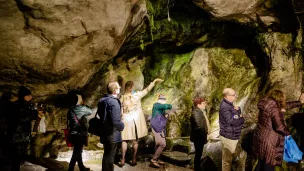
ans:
(133, 118)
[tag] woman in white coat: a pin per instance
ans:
(133, 118)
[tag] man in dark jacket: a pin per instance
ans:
(109, 112)
(231, 122)
(200, 128)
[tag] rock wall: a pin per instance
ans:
(198, 47)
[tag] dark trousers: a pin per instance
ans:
(108, 156)
(18, 153)
(199, 146)
(77, 154)
(263, 166)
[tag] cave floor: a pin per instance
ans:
(94, 165)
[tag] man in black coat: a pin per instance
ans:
(200, 128)
(231, 122)
(109, 112)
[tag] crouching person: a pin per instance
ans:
(78, 131)
(158, 124)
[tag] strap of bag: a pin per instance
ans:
(75, 118)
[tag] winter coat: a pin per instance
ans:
(199, 128)
(230, 121)
(133, 115)
(76, 119)
(109, 111)
(20, 122)
(268, 139)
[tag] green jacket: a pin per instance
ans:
(159, 109)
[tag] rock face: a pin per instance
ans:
(265, 12)
(55, 46)
(198, 47)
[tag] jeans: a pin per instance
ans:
(108, 156)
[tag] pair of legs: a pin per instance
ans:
(228, 150)
(160, 144)
(108, 156)
(199, 146)
(124, 146)
(77, 154)
(18, 153)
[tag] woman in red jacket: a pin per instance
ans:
(268, 140)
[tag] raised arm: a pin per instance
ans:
(145, 91)
(278, 121)
(293, 104)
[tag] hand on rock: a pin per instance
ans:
(158, 80)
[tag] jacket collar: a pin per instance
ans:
(226, 101)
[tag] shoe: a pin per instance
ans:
(121, 163)
(161, 162)
(133, 162)
(154, 163)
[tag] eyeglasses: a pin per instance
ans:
(235, 95)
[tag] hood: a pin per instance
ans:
(265, 103)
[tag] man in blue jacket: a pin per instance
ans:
(231, 122)
(109, 112)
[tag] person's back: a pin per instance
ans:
(109, 113)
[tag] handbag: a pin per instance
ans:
(94, 126)
(291, 151)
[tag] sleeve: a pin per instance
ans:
(239, 111)
(116, 115)
(88, 111)
(163, 106)
(230, 120)
(32, 115)
(145, 91)
(197, 121)
(278, 121)
(293, 104)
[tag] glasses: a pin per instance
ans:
(235, 95)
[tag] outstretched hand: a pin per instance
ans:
(302, 98)
(158, 80)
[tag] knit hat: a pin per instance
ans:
(161, 97)
(23, 91)
(79, 100)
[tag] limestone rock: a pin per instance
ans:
(55, 46)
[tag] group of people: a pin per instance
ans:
(17, 114)
(122, 120)
(268, 138)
